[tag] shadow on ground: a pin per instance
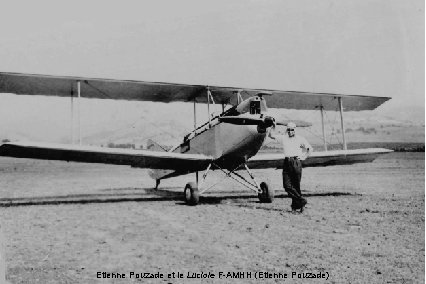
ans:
(143, 195)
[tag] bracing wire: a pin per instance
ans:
(133, 124)
(331, 128)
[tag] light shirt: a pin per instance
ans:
(295, 146)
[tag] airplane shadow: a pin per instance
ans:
(144, 195)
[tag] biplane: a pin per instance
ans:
(228, 142)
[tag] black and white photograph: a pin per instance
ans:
(241, 141)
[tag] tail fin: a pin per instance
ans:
(154, 146)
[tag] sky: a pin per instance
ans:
(369, 47)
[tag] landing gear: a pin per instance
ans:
(267, 195)
(192, 197)
(157, 183)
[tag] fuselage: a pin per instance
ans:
(228, 144)
(230, 138)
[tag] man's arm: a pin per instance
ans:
(283, 144)
(308, 148)
(270, 135)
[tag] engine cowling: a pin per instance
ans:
(268, 121)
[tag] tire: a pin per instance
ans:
(192, 197)
(267, 195)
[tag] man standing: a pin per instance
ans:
(295, 148)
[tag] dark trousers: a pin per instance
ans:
(292, 174)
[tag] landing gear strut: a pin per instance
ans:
(157, 183)
(265, 194)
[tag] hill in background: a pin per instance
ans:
(123, 122)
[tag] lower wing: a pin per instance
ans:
(173, 161)
(319, 159)
(116, 156)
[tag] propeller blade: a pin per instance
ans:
(263, 122)
(299, 123)
(241, 120)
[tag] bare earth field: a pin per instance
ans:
(65, 222)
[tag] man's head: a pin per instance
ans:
(291, 129)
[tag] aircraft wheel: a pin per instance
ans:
(191, 193)
(267, 195)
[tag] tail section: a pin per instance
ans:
(157, 174)
(154, 146)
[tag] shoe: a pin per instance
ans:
(304, 202)
(298, 204)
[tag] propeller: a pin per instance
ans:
(299, 123)
(264, 121)
(241, 120)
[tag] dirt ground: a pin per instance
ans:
(65, 222)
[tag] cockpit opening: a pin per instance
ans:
(255, 106)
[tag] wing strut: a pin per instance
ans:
(195, 115)
(195, 129)
(342, 124)
(210, 97)
(78, 112)
(323, 130)
(72, 115)
(79, 116)
(239, 97)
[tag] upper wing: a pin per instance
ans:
(63, 86)
(91, 154)
(328, 101)
(319, 159)
(32, 84)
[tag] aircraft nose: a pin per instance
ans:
(268, 121)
